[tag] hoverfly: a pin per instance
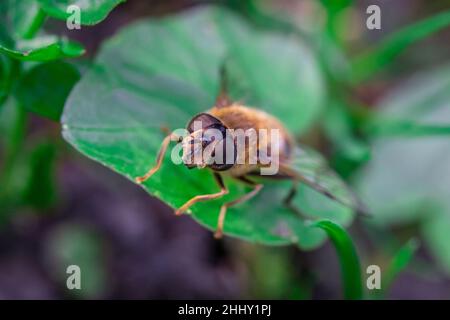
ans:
(310, 167)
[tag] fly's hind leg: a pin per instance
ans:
(287, 202)
(285, 173)
(223, 210)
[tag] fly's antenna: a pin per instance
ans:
(223, 100)
(223, 74)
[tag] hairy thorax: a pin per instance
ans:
(245, 118)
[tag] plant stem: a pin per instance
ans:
(35, 25)
(398, 263)
(350, 266)
(13, 146)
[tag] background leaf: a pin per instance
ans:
(407, 179)
(18, 17)
(161, 73)
(384, 53)
(20, 20)
(92, 11)
(45, 88)
(44, 48)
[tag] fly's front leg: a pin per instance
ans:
(159, 158)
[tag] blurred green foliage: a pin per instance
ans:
(28, 163)
(406, 179)
(272, 274)
(374, 60)
(44, 88)
(22, 20)
(74, 244)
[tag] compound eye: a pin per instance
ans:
(202, 121)
(211, 135)
(204, 141)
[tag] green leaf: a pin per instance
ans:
(20, 20)
(399, 262)
(407, 179)
(348, 258)
(45, 88)
(43, 48)
(92, 11)
(371, 62)
(115, 113)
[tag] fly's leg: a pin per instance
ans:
(223, 210)
(287, 202)
(159, 158)
(223, 191)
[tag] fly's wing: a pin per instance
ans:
(310, 167)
